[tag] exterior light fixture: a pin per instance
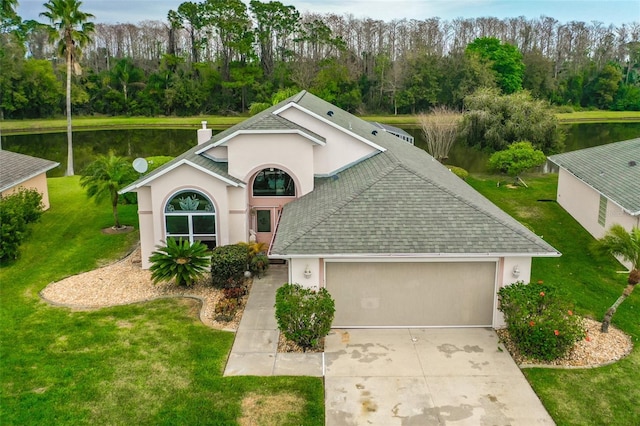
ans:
(307, 272)
(516, 271)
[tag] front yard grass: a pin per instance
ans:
(149, 364)
(598, 396)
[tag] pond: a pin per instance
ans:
(134, 143)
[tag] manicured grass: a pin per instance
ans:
(598, 116)
(219, 122)
(148, 364)
(84, 123)
(599, 396)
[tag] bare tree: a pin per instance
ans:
(440, 129)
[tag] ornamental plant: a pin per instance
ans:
(304, 315)
(179, 260)
(540, 322)
(228, 265)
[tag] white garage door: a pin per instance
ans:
(412, 293)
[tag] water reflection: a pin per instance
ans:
(134, 143)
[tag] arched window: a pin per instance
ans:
(273, 182)
(191, 215)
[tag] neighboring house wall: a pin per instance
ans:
(584, 203)
(341, 149)
(38, 183)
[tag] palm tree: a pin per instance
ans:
(70, 28)
(625, 245)
(105, 176)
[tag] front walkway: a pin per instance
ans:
(255, 349)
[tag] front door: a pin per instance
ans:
(264, 224)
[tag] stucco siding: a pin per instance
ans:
(39, 183)
(293, 153)
(582, 202)
(183, 177)
(340, 150)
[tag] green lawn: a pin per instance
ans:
(148, 364)
(219, 122)
(155, 363)
(600, 396)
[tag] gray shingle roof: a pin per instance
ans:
(17, 168)
(400, 201)
(607, 169)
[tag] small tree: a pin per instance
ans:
(625, 244)
(514, 160)
(179, 260)
(104, 177)
(440, 129)
(304, 316)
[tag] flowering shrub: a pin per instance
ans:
(226, 309)
(539, 321)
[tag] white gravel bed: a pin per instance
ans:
(125, 282)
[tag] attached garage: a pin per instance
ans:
(412, 294)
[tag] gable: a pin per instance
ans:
(612, 170)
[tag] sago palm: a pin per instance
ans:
(625, 245)
(69, 27)
(181, 261)
(104, 177)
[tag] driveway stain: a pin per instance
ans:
(478, 365)
(451, 413)
(448, 349)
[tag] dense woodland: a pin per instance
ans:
(220, 56)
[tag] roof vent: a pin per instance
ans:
(374, 133)
(632, 163)
(330, 113)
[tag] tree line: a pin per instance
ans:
(220, 56)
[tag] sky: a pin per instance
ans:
(608, 12)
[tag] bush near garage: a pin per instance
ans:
(539, 321)
(304, 315)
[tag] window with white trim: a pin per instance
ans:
(191, 215)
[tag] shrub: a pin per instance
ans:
(259, 264)
(228, 264)
(179, 260)
(234, 292)
(304, 315)
(541, 324)
(16, 212)
(459, 171)
(226, 309)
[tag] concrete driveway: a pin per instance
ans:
(421, 377)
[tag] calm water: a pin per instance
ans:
(149, 142)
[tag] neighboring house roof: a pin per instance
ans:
(399, 201)
(613, 170)
(18, 168)
(402, 134)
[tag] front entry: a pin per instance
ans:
(264, 224)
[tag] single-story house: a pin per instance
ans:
(600, 186)
(23, 171)
(396, 238)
